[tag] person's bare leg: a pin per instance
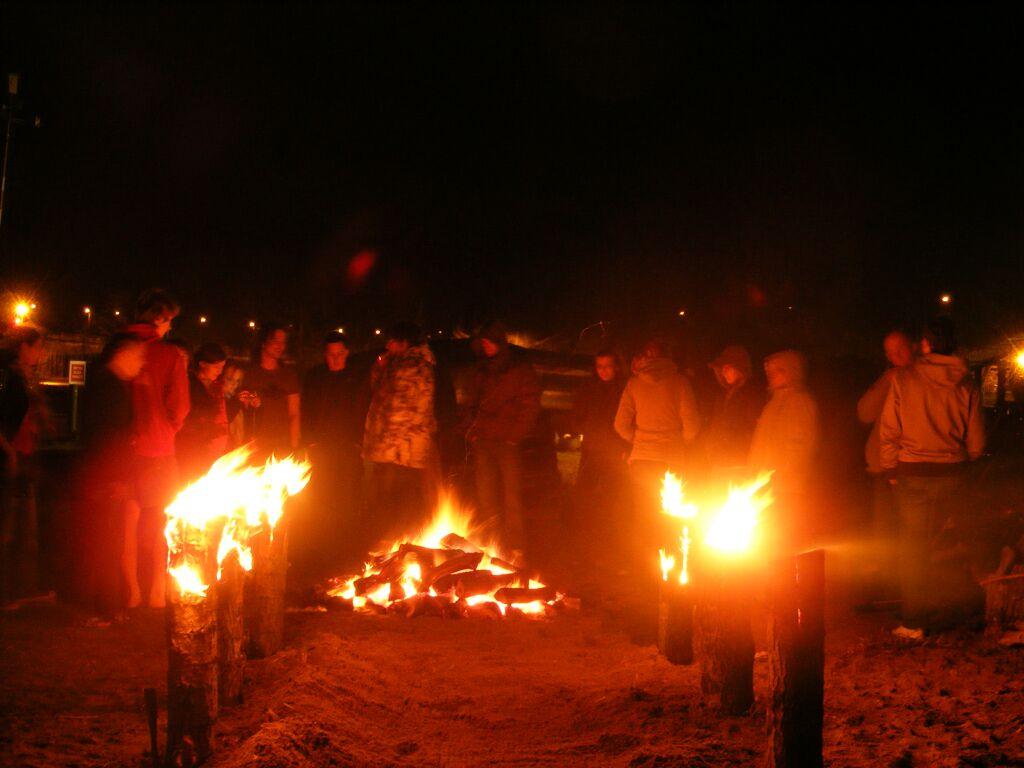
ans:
(158, 564)
(130, 554)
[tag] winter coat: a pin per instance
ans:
(658, 413)
(593, 416)
(786, 437)
(334, 405)
(733, 421)
(869, 409)
(400, 423)
(502, 400)
(160, 396)
(932, 419)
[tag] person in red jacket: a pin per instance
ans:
(160, 403)
(501, 408)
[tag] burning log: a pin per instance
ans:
(796, 662)
(191, 676)
(675, 622)
(726, 639)
(522, 595)
(463, 562)
(264, 593)
(231, 632)
(477, 583)
(454, 541)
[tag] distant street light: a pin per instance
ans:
(946, 298)
(341, 330)
(202, 320)
(117, 313)
(252, 325)
(376, 331)
(1020, 359)
(87, 311)
(682, 313)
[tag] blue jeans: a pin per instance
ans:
(923, 507)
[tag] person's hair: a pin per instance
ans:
(940, 335)
(336, 337)
(210, 353)
(233, 365)
(154, 304)
(117, 343)
(268, 330)
(404, 331)
(607, 352)
(655, 347)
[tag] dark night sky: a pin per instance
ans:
(556, 166)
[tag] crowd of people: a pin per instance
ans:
(154, 416)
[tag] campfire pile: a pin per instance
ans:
(441, 572)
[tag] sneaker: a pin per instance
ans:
(908, 634)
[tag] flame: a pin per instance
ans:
(233, 500)
(668, 563)
(732, 530)
(672, 503)
(449, 519)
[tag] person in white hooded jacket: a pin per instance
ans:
(931, 426)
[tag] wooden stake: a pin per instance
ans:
(675, 622)
(151, 713)
(796, 662)
(264, 593)
(231, 632)
(726, 639)
(191, 677)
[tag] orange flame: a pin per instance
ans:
(234, 501)
(733, 529)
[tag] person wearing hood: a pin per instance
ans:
(786, 440)
(734, 414)
(160, 404)
(899, 351)
(400, 426)
(931, 426)
(658, 416)
(501, 406)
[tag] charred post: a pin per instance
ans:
(191, 677)
(726, 638)
(231, 632)
(675, 622)
(797, 662)
(264, 593)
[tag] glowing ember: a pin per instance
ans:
(732, 530)
(232, 502)
(446, 566)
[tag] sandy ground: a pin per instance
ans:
(352, 690)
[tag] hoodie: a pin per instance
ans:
(502, 397)
(160, 397)
(786, 437)
(932, 420)
(658, 413)
(400, 424)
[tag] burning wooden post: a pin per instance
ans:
(726, 638)
(797, 662)
(726, 587)
(231, 630)
(264, 593)
(191, 643)
(675, 598)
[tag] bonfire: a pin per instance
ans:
(447, 569)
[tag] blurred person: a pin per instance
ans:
(502, 403)
(160, 404)
(658, 416)
(334, 405)
(204, 436)
(734, 413)
(400, 426)
(931, 426)
(273, 395)
(23, 419)
(231, 382)
(109, 514)
(899, 352)
(785, 442)
(602, 481)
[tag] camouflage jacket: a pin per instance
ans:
(400, 424)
